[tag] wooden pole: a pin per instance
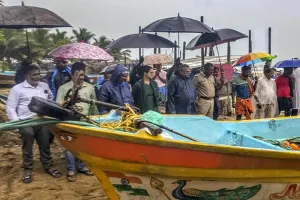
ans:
(175, 51)
(140, 50)
(202, 49)
(270, 40)
(228, 52)
(183, 51)
(250, 41)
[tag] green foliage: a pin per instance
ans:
(83, 35)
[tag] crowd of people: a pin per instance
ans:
(149, 88)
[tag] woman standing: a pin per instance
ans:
(145, 91)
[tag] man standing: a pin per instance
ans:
(116, 90)
(265, 94)
(219, 84)
(161, 79)
(285, 87)
(205, 87)
(242, 91)
(17, 109)
(86, 90)
(181, 93)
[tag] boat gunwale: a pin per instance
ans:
(197, 146)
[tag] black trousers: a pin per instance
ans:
(286, 105)
(42, 136)
(216, 108)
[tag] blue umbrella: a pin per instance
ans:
(288, 63)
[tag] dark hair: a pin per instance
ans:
(30, 67)
(27, 61)
(268, 70)
(78, 66)
(145, 69)
(246, 67)
(182, 67)
(208, 65)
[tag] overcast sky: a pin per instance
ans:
(116, 18)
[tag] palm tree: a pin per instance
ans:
(102, 41)
(1, 3)
(83, 35)
(60, 38)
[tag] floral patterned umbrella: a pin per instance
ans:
(158, 59)
(81, 51)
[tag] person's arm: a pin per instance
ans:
(233, 95)
(104, 96)
(258, 88)
(222, 79)
(12, 104)
(50, 94)
(136, 92)
(60, 97)
(255, 83)
(171, 100)
(196, 82)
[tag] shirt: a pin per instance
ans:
(205, 86)
(241, 87)
(163, 75)
(20, 96)
(283, 87)
(87, 91)
(265, 90)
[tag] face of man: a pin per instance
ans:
(208, 71)
(62, 64)
(186, 72)
(288, 71)
(33, 77)
(149, 74)
(246, 73)
(123, 77)
(216, 71)
(270, 74)
(158, 67)
(78, 76)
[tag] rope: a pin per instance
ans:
(125, 124)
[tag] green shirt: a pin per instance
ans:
(87, 91)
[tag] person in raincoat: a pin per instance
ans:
(181, 93)
(116, 90)
(145, 91)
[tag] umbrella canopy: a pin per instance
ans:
(81, 51)
(288, 63)
(158, 59)
(217, 37)
(141, 40)
(108, 69)
(19, 17)
(177, 25)
(253, 58)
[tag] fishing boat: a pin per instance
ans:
(226, 162)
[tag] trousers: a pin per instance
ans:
(42, 136)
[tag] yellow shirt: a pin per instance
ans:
(205, 86)
(87, 91)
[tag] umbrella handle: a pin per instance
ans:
(219, 56)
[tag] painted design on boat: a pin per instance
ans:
(291, 191)
(131, 190)
(159, 185)
(125, 180)
(242, 192)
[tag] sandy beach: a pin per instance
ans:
(43, 186)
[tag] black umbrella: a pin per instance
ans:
(177, 25)
(141, 40)
(23, 17)
(217, 37)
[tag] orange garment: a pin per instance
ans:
(244, 106)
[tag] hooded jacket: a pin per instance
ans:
(114, 92)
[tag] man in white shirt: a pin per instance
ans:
(265, 95)
(17, 109)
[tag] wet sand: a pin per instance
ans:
(43, 185)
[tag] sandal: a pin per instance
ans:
(71, 176)
(86, 171)
(54, 173)
(27, 179)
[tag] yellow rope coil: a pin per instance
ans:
(126, 123)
